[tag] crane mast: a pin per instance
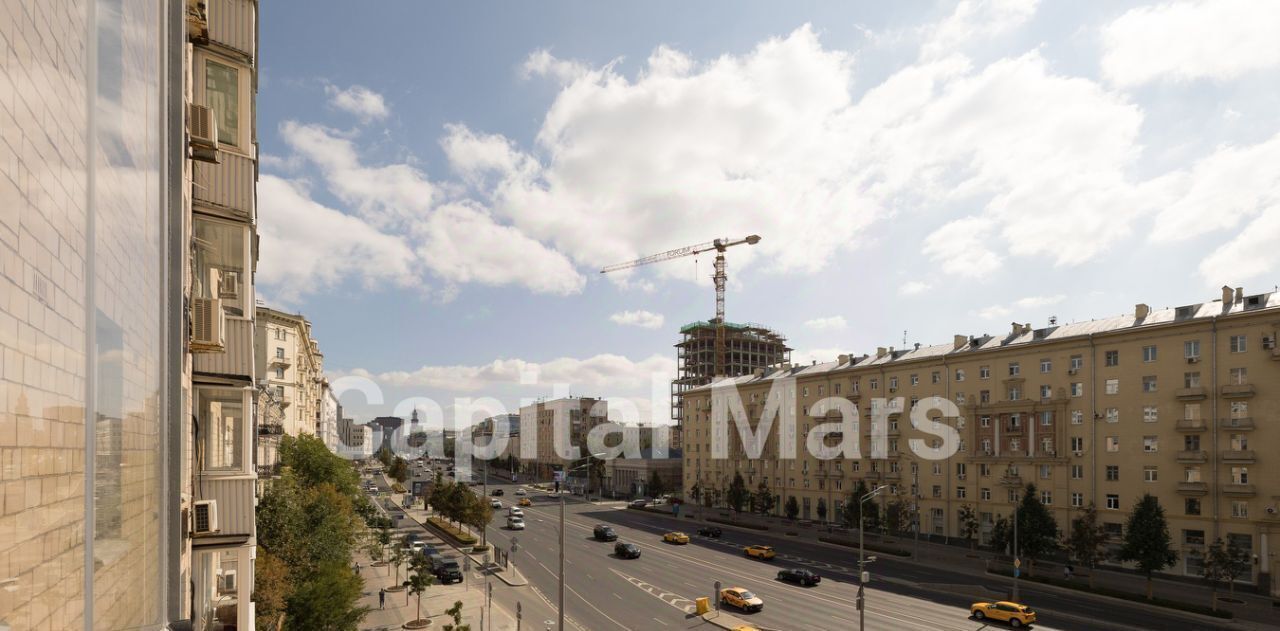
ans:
(719, 277)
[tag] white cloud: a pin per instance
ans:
(366, 104)
(975, 21)
(641, 318)
(1185, 41)
(541, 63)
(994, 311)
(614, 372)
(960, 247)
(820, 355)
(833, 323)
(1251, 254)
(1220, 191)
(913, 288)
(1031, 302)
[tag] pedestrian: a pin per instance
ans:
(1066, 572)
(382, 598)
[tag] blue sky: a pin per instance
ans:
(442, 181)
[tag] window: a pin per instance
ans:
(961, 469)
(915, 380)
(1113, 473)
(984, 372)
(1239, 475)
(1015, 393)
(1191, 379)
(1014, 369)
(279, 372)
(875, 383)
(821, 389)
(1240, 509)
(984, 420)
(935, 377)
(1237, 344)
(219, 259)
(984, 469)
(1191, 349)
(1046, 365)
(1077, 472)
(1077, 417)
(986, 445)
(1112, 358)
(1077, 389)
(279, 353)
(1077, 443)
(1191, 474)
(1150, 414)
(937, 491)
(1113, 444)
(1150, 444)
(960, 492)
(221, 416)
(1149, 383)
(959, 398)
(1015, 422)
(1046, 392)
(1046, 497)
(1148, 353)
(1113, 502)
(1239, 442)
(1150, 474)
(854, 386)
(1191, 411)
(222, 93)
(804, 392)
(1015, 444)
(937, 468)
(959, 374)
(984, 396)
(1191, 442)
(1113, 415)
(1239, 376)
(835, 388)
(1113, 386)
(1046, 444)
(985, 494)
(1046, 471)
(1077, 362)
(1013, 496)
(893, 383)
(1191, 506)
(1046, 418)
(1077, 500)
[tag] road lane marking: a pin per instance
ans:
(671, 598)
(660, 622)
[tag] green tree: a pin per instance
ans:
(897, 514)
(738, 493)
(314, 464)
(385, 456)
(695, 493)
(1216, 564)
(870, 510)
(1037, 529)
(1146, 539)
(792, 508)
(1002, 534)
(657, 488)
(271, 589)
(455, 612)
(399, 470)
(420, 578)
(822, 509)
(477, 512)
(763, 500)
(969, 527)
(1087, 540)
(327, 600)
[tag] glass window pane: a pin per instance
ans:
(222, 94)
(221, 417)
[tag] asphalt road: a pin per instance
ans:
(657, 590)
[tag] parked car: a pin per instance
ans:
(637, 504)
(764, 553)
(710, 531)
(800, 576)
(449, 572)
(1003, 611)
(626, 550)
(496, 492)
(515, 523)
(604, 533)
(741, 598)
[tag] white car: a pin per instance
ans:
(515, 511)
(521, 491)
(495, 503)
(515, 523)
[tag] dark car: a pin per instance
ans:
(626, 550)
(710, 531)
(605, 533)
(449, 572)
(802, 577)
(497, 492)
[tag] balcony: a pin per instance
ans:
(1239, 456)
(229, 185)
(1190, 394)
(1193, 488)
(1239, 490)
(893, 476)
(285, 400)
(1191, 456)
(1238, 423)
(236, 359)
(1011, 480)
(270, 429)
(1237, 391)
(1191, 425)
(235, 501)
(281, 361)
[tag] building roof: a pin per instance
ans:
(1024, 335)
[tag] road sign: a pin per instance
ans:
(1017, 563)
(558, 476)
(866, 577)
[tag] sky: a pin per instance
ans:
(441, 182)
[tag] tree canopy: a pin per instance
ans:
(1147, 543)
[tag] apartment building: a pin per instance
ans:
(1179, 403)
(577, 414)
(292, 365)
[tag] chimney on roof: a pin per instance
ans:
(880, 352)
(958, 342)
(1141, 311)
(917, 345)
(786, 365)
(815, 362)
(1017, 328)
(1239, 294)
(757, 373)
(843, 359)
(1226, 295)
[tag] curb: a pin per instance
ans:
(1217, 622)
(518, 581)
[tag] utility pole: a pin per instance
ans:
(567, 471)
(862, 573)
(1017, 563)
(915, 492)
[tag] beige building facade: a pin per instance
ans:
(291, 364)
(1179, 403)
(538, 421)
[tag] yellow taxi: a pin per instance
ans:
(764, 553)
(1003, 611)
(676, 537)
(524, 501)
(741, 598)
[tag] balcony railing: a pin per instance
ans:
(1237, 391)
(1193, 488)
(1239, 456)
(1191, 425)
(1245, 423)
(1240, 490)
(1191, 456)
(1197, 392)
(1011, 480)
(236, 359)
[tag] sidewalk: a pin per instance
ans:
(402, 607)
(1253, 609)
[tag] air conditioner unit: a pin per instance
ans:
(1078, 453)
(206, 517)
(202, 127)
(208, 325)
(960, 476)
(1268, 342)
(1193, 359)
(227, 582)
(229, 288)
(1072, 371)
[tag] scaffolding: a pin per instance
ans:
(747, 346)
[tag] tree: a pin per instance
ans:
(314, 464)
(1037, 529)
(738, 493)
(455, 612)
(822, 509)
(270, 590)
(695, 492)
(763, 501)
(1087, 540)
(1146, 539)
(385, 456)
(1216, 564)
(399, 470)
(1237, 564)
(897, 517)
(657, 488)
(713, 498)
(969, 526)
(1002, 534)
(870, 510)
(792, 508)
(420, 578)
(326, 600)
(476, 512)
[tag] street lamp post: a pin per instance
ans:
(862, 603)
(1017, 563)
(567, 471)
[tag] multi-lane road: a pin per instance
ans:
(658, 590)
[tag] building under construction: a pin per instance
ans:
(746, 348)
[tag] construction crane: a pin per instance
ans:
(719, 245)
